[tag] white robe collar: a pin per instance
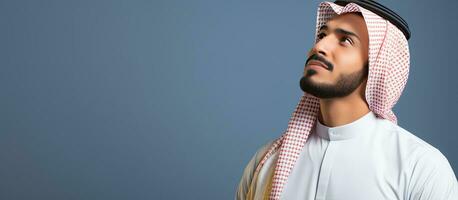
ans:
(363, 125)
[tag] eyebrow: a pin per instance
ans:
(340, 31)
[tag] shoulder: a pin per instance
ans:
(410, 145)
(429, 173)
(402, 141)
(258, 155)
(432, 177)
(248, 172)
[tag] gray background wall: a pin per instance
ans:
(170, 99)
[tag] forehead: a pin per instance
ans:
(353, 22)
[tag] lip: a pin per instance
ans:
(315, 63)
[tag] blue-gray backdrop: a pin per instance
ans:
(169, 99)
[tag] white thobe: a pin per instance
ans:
(369, 158)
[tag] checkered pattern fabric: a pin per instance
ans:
(388, 72)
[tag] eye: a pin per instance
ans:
(347, 40)
(320, 35)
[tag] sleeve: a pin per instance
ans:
(248, 172)
(433, 178)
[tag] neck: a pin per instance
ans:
(343, 110)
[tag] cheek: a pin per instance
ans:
(309, 53)
(349, 61)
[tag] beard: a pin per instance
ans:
(345, 84)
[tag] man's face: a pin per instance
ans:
(342, 48)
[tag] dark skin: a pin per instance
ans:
(343, 42)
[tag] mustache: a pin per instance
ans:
(321, 59)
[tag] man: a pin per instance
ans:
(343, 141)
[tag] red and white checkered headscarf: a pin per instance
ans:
(387, 77)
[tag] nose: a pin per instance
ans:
(323, 47)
